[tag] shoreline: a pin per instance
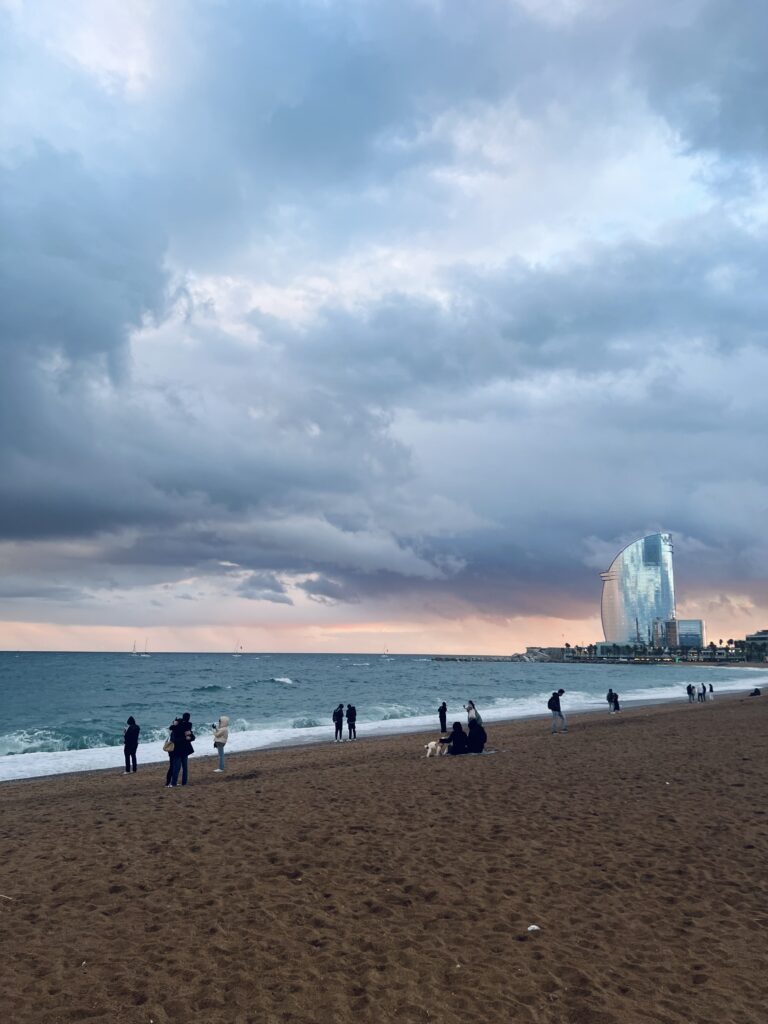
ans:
(399, 730)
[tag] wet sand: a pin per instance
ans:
(366, 883)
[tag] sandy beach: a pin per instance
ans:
(366, 883)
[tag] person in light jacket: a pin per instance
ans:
(220, 737)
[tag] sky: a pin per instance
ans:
(365, 325)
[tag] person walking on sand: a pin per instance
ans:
(338, 723)
(351, 720)
(442, 714)
(557, 714)
(609, 698)
(220, 737)
(130, 744)
(182, 736)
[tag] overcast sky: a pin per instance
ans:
(366, 324)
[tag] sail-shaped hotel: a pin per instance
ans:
(639, 592)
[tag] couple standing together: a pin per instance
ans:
(179, 747)
(338, 723)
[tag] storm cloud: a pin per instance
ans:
(394, 309)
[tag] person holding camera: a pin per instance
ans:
(220, 737)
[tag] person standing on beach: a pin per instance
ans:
(351, 720)
(130, 744)
(442, 714)
(689, 691)
(220, 737)
(473, 715)
(557, 714)
(711, 692)
(703, 693)
(171, 727)
(616, 706)
(338, 723)
(609, 698)
(182, 735)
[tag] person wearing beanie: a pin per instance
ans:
(220, 737)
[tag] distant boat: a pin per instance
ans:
(146, 653)
(238, 651)
(134, 652)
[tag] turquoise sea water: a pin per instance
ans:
(66, 712)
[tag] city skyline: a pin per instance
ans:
(349, 327)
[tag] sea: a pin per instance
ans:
(64, 712)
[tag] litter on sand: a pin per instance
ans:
(533, 928)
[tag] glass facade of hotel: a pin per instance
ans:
(639, 591)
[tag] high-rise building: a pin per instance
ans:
(639, 591)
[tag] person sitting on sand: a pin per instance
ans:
(609, 698)
(338, 723)
(220, 737)
(476, 738)
(130, 744)
(755, 692)
(457, 740)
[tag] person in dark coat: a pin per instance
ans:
(338, 723)
(609, 698)
(457, 740)
(476, 738)
(557, 715)
(351, 720)
(442, 714)
(616, 705)
(182, 735)
(130, 744)
(170, 752)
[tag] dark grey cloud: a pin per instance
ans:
(458, 440)
(707, 75)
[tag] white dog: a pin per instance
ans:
(436, 749)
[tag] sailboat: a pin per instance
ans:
(134, 652)
(237, 653)
(146, 653)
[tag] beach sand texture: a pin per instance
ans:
(365, 883)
